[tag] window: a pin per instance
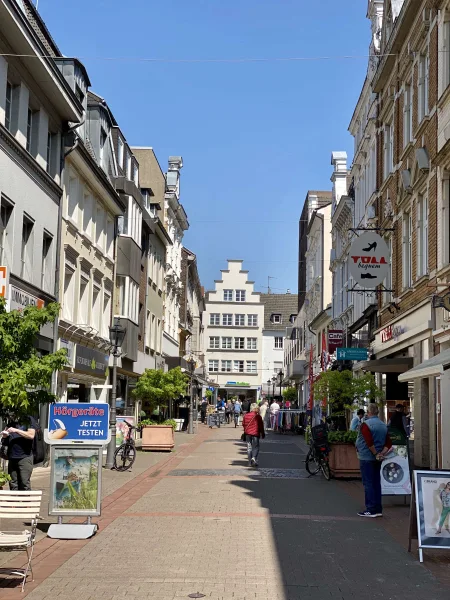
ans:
(422, 88)
(68, 304)
(278, 343)
(407, 250)
(49, 151)
(251, 366)
(213, 366)
(95, 314)
(227, 319)
(251, 343)
(6, 211)
(128, 294)
(239, 343)
(407, 116)
(228, 295)
(106, 317)
(214, 342)
(239, 366)
(8, 106)
(121, 288)
(109, 237)
(46, 266)
(446, 55)
(226, 343)
(252, 320)
(422, 236)
(100, 227)
(88, 220)
(277, 367)
(239, 320)
(226, 366)
(136, 175)
(72, 200)
(27, 249)
(83, 305)
(214, 319)
(240, 295)
(128, 165)
(276, 318)
(120, 152)
(388, 149)
(103, 138)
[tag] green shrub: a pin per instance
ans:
(170, 422)
(342, 437)
(4, 478)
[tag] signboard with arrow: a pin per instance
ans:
(369, 260)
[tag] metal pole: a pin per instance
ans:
(191, 407)
(112, 416)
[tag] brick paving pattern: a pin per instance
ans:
(234, 534)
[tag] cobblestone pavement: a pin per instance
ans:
(200, 522)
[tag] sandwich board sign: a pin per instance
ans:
(369, 260)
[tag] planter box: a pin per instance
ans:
(343, 461)
(157, 437)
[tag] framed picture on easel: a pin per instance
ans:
(432, 499)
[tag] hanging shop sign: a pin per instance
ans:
(238, 383)
(391, 332)
(432, 499)
(369, 260)
(335, 338)
(91, 361)
(19, 299)
(78, 422)
(352, 353)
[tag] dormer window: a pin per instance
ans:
(276, 318)
(292, 318)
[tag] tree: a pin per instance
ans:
(342, 390)
(156, 387)
(290, 393)
(25, 375)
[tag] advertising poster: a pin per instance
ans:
(75, 480)
(432, 490)
(122, 428)
(78, 422)
(395, 477)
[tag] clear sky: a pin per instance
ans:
(254, 137)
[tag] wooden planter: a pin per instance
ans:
(157, 437)
(343, 461)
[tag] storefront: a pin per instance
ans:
(239, 389)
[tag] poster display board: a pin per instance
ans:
(432, 499)
(75, 481)
(78, 422)
(122, 428)
(395, 475)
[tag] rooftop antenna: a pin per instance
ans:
(269, 277)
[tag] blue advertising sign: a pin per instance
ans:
(78, 422)
(352, 353)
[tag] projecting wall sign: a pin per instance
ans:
(369, 260)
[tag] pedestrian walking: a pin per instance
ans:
(203, 409)
(253, 430)
(245, 406)
(372, 445)
(18, 437)
(237, 409)
(228, 411)
(357, 420)
(263, 411)
(274, 410)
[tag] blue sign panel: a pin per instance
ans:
(78, 422)
(352, 353)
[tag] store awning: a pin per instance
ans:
(387, 365)
(433, 367)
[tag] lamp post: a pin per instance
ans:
(281, 375)
(116, 336)
(191, 397)
(274, 380)
(268, 387)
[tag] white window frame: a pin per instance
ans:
(388, 155)
(252, 343)
(227, 319)
(239, 320)
(239, 343)
(422, 235)
(407, 115)
(214, 342)
(228, 295)
(226, 366)
(120, 146)
(407, 250)
(252, 366)
(213, 366)
(422, 87)
(227, 342)
(252, 320)
(214, 319)
(276, 343)
(239, 366)
(277, 319)
(240, 295)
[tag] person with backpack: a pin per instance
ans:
(19, 438)
(245, 406)
(253, 430)
(237, 409)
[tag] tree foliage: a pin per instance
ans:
(342, 390)
(290, 393)
(25, 375)
(156, 387)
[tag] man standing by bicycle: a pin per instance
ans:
(372, 445)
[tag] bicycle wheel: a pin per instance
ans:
(124, 457)
(325, 467)
(312, 464)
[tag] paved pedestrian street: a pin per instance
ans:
(200, 521)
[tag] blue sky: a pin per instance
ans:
(254, 137)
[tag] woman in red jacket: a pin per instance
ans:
(253, 429)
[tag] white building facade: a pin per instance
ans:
(233, 320)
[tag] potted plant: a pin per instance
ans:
(4, 478)
(155, 388)
(343, 394)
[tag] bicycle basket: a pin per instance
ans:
(319, 434)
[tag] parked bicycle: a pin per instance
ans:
(317, 457)
(125, 455)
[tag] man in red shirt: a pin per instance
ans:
(253, 429)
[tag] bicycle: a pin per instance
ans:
(317, 457)
(125, 455)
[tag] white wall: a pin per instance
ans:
(272, 358)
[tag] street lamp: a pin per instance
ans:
(274, 380)
(116, 336)
(281, 375)
(269, 381)
(191, 397)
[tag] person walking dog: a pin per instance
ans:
(372, 445)
(253, 431)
